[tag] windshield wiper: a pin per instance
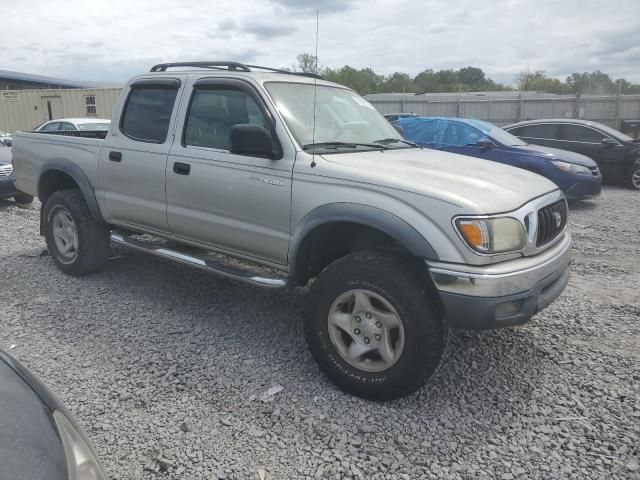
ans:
(377, 146)
(386, 141)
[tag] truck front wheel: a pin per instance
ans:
(77, 244)
(373, 325)
(633, 179)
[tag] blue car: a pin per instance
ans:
(577, 175)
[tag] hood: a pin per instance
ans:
(477, 185)
(30, 445)
(557, 154)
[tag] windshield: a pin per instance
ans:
(341, 116)
(614, 133)
(93, 126)
(505, 137)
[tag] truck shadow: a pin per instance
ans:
(191, 336)
(254, 325)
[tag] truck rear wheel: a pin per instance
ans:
(373, 325)
(77, 244)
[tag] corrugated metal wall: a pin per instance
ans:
(609, 110)
(24, 109)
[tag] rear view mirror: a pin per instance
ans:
(484, 143)
(247, 139)
(608, 142)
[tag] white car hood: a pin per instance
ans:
(482, 186)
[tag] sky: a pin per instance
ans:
(112, 40)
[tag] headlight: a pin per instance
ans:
(571, 167)
(81, 462)
(492, 235)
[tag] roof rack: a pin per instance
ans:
(229, 66)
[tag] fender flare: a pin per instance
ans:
(365, 215)
(79, 177)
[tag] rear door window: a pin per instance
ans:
(545, 131)
(67, 126)
(51, 127)
(147, 113)
(578, 133)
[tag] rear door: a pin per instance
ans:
(236, 203)
(133, 159)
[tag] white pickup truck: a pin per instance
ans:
(304, 177)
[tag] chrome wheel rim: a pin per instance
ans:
(366, 330)
(635, 178)
(65, 236)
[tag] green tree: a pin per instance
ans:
(363, 81)
(426, 81)
(538, 81)
(307, 63)
(625, 87)
(591, 83)
(472, 76)
(398, 82)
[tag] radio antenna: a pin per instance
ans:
(315, 92)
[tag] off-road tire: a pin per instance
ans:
(633, 177)
(22, 198)
(399, 280)
(93, 238)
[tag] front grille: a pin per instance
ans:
(5, 170)
(551, 221)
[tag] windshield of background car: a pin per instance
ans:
(498, 134)
(93, 126)
(505, 137)
(615, 133)
(341, 115)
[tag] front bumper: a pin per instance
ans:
(8, 186)
(502, 294)
(587, 187)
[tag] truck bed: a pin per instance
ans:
(31, 150)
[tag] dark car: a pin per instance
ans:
(8, 180)
(617, 154)
(392, 117)
(578, 176)
(39, 439)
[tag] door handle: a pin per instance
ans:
(115, 156)
(181, 168)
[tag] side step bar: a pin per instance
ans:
(204, 264)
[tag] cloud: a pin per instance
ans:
(110, 40)
(324, 6)
(267, 30)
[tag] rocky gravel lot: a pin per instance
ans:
(167, 369)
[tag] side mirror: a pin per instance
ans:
(485, 143)
(608, 142)
(247, 139)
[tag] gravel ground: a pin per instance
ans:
(166, 368)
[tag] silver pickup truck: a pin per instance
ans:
(301, 182)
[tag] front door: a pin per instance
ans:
(133, 160)
(589, 141)
(460, 138)
(51, 108)
(236, 203)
